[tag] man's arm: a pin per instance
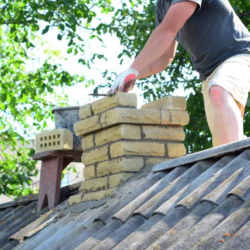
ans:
(164, 35)
(160, 64)
(161, 39)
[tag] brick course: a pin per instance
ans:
(95, 155)
(137, 149)
(118, 100)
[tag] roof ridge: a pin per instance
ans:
(203, 155)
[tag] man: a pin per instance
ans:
(219, 45)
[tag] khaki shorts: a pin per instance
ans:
(233, 75)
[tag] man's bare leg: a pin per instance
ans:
(228, 117)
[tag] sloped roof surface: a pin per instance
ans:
(200, 201)
(16, 215)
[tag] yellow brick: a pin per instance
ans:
(176, 150)
(95, 155)
(97, 195)
(137, 148)
(87, 142)
(168, 103)
(94, 184)
(118, 179)
(89, 172)
(163, 133)
(85, 111)
(57, 139)
(131, 116)
(86, 126)
(117, 100)
(117, 133)
(175, 117)
(152, 161)
(119, 165)
(75, 199)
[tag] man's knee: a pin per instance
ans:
(218, 96)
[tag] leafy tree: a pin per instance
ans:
(27, 96)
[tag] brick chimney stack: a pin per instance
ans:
(118, 139)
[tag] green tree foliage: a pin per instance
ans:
(27, 96)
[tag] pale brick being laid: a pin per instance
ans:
(175, 117)
(119, 132)
(137, 149)
(95, 155)
(119, 165)
(57, 139)
(94, 184)
(167, 103)
(131, 116)
(117, 100)
(176, 150)
(163, 133)
(85, 111)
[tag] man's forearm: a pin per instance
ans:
(148, 71)
(155, 47)
(154, 68)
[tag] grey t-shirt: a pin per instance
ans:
(211, 35)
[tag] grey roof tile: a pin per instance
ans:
(240, 240)
(242, 190)
(203, 155)
(157, 231)
(5, 212)
(140, 233)
(220, 193)
(16, 222)
(121, 233)
(28, 245)
(82, 236)
(170, 191)
(57, 230)
(217, 237)
(193, 199)
(10, 245)
(168, 181)
(95, 239)
(207, 224)
(17, 217)
(194, 184)
(183, 226)
(170, 205)
(70, 236)
(106, 216)
(9, 215)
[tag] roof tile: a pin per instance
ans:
(199, 201)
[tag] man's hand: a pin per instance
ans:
(124, 82)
